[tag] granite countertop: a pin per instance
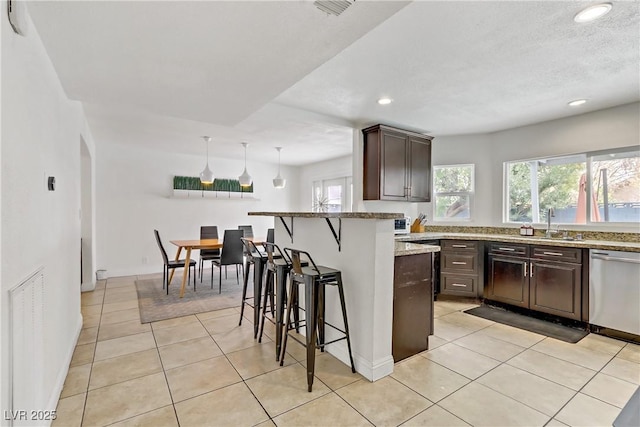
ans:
(405, 248)
(587, 244)
(351, 215)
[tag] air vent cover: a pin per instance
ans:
(334, 7)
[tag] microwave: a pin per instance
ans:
(402, 225)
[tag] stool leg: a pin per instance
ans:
(287, 320)
(244, 293)
(321, 314)
(346, 323)
(280, 301)
(267, 290)
(257, 293)
(311, 302)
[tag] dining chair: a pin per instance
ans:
(271, 235)
(248, 231)
(173, 264)
(231, 254)
(208, 232)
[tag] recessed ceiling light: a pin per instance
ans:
(384, 101)
(592, 12)
(577, 102)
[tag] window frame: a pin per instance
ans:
(470, 194)
(588, 159)
(346, 202)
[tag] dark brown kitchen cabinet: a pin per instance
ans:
(460, 271)
(508, 281)
(412, 305)
(541, 278)
(397, 165)
(556, 287)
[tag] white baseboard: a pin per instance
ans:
(62, 375)
(88, 286)
(371, 370)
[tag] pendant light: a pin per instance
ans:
(206, 176)
(279, 182)
(245, 178)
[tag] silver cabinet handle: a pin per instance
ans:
(553, 253)
(531, 270)
(458, 246)
(507, 249)
(460, 285)
(459, 263)
(525, 270)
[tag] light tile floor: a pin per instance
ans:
(205, 370)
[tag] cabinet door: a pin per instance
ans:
(412, 305)
(394, 166)
(419, 169)
(508, 281)
(555, 288)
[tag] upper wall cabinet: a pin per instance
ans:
(397, 165)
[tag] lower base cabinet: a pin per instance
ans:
(540, 278)
(412, 305)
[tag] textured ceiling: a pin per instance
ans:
(161, 74)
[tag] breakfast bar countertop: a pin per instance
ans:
(344, 215)
(586, 244)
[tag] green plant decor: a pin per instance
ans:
(219, 184)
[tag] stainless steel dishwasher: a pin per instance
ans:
(614, 290)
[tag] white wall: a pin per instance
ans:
(600, 130)
(134, 188)
(41, 131)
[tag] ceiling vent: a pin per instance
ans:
(334, 7)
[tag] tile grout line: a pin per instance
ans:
(86, 396)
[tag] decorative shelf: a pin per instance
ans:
(190, 187)
(212, 195)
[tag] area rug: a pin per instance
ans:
(542, 327)
(155, 304)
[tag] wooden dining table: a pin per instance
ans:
(190, 245)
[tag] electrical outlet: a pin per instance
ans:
(145, 260)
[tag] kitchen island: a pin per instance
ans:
(413, 293)
(362, 246)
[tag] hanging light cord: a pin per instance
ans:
(279, 148)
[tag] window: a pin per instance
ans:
(332, 195)
(611, 177)
(453, 188)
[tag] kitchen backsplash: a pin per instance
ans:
(586, 235)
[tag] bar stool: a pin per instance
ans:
(277, 269)
(315, 279)
(258, 260)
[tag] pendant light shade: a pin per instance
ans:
(206, 176)
(245, 179)
(279, 182)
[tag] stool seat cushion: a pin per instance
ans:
(324, 271)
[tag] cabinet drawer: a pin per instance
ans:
(461, 263)
(458, 285)
(459, 245)
(556, 253)
(509, 249)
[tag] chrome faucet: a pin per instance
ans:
(550, 232)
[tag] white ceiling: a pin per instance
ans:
(282, 73)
